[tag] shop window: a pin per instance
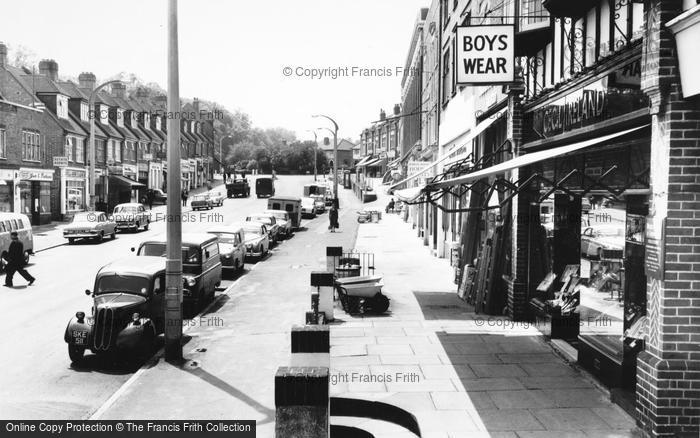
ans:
(75, 196)
(3, 144)
(6, 199)
(45, 197)
(25, 195)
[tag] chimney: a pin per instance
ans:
(3, 55)
(195, 105)
(382, 115)
(397, 109)
(49, 68)
(119, 90)
(87, 81)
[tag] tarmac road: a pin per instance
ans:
(37, 379)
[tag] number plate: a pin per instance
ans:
(79, 337)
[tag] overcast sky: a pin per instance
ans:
(235, 52)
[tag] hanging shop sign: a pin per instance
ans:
(654, 249)
(485, 54)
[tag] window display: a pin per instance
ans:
(75, 196)
(6, 198)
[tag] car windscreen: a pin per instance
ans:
(229, 238)
(263, 219)
(190, 255)
(253, 230)
(88, 217)
(125, 209)
(280, 216)
(122, 283)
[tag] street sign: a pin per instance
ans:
(485, 54)
(60, 161)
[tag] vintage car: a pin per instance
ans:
(257, 240)
(217, 198)
(201, 202)
(238, 187)
(158, 196)
(603, 242)
(127, 311)
(308, 207)
(201, 267)
(270, 223)
(231, 247)
(319, 203)
(93, 225)
(283, 221)
(131, 216)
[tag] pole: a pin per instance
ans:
(173, 267)
(315, 154)
(335, 158)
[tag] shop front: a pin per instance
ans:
(192, 166)
(185, 172)
(74, 193)
(35, 194)
(8, 178)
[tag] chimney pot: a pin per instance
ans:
(118, 90)
(3, 55)
(195, 105)
(49, 68)
(397, 109)
(382, 115)
(87, 80)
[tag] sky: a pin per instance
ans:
(256, 56)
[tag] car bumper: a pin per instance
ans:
(123, 225)
(81, 235)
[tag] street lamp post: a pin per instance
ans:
(315, 153)
(221, 154)
(335, 156)
(91, 158)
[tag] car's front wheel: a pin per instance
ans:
(100, 237)
(71, 240)
(76, 353)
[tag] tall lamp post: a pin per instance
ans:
(335, 157)
(91, 113)
(315, 153)
(173, 263)
(221, 155)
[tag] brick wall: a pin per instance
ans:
(668, 377)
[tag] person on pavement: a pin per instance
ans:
(333, 218)
(184, 197)
(390, 206)
(15, 261)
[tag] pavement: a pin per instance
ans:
(460, 374)
(234, 348)
(50, 236)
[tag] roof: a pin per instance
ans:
(42, 84)
(73, 91)
(16, 74)
(285, 198)
(145, 265)
(69, 124)
(187, 239)
(225, 229)
(343, 145)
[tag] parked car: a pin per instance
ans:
(238, 187)
(10, 222)
(604, 242)
(201, 202)
(264, 187)
(201, 266)
(319, 203)
(308, 207)
(217, 199)
(257, 240)
(231, 247)
(127, 311)
(283, 221)
(94, 225)
(131, 216)
(158, 196)
(270, 223)
(289, 204)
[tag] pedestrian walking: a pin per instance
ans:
(15, 261)
(333, 219)
(184, 197)
(150, 197)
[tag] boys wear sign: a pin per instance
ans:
(485, 54)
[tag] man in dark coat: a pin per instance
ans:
(15, 261)
(333, 218)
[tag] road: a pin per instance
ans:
(38, 380)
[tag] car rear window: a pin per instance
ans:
(190, 255)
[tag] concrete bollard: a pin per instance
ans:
(333, 254)
(324, 282)
(311, 346)
(302, 404)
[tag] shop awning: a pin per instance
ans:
(125, 181)
(465, 140)
(376, 162)
(526, 160)
(363, 162)
(410, 194)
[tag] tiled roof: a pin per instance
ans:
(68, 125)
(17, 74)
(99, 131)
(343, 145)
(42, 84)
(73, 91)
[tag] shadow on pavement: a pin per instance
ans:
(443, 305)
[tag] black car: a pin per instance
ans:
(127, 310)
(238, 187)
(264, 187)
(158, 196)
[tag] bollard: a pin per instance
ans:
(324, 283)
(311, 346)
(302, 404)
(333, 253)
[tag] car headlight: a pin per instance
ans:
(189, 281)
(249, 246)
(227, 256)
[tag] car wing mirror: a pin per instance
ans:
(88, 292)
(133, 249)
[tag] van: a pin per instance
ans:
(264, 186)
(201, 266)
(289, 204)
(10, 222)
